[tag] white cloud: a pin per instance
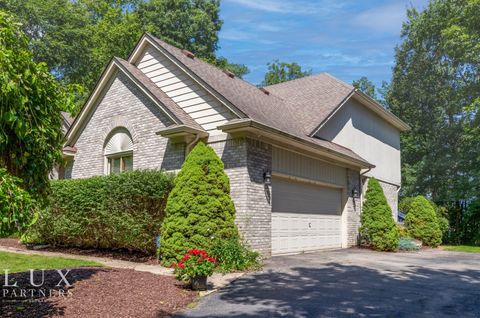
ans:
(387, 18)
(235, 35)
(268, 27)
(290, 6)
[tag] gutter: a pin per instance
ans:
(237, 125)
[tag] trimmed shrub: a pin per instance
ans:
(17, 208)
(405, 206)
(443, 223)
(422, 222)
(199, 208)
(407, 244)
(378, 228)
(119, 211)
(402, 231)
(232, 255)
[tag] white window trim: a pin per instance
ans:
(114, 156)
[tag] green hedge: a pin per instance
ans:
(120, 211)
(199, 208)
(378, 228)
(17, 208)
(422, 222)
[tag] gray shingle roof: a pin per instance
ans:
(315, 96)
(312, 98)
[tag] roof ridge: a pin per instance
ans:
(198, 59)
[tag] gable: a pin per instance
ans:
(122, 104)
(199, 104)
(358, 128)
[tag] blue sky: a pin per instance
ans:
(347, 39)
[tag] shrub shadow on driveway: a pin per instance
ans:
(336, 290)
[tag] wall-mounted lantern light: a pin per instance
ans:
(267, 177)
(355, 193)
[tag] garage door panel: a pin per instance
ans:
(300, 197)
(304, 217)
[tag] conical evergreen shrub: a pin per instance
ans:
(378, 227)
(199, 208)
(422, 222)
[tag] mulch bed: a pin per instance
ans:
(94, 292)
(123, 255)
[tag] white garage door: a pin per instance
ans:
(305, 217)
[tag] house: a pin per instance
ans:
(298, 154)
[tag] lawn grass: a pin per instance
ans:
(462, 248)
(15, 262)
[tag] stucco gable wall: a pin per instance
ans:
(122, 104)
(356, 127)
(204, 108)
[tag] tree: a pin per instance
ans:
(377, 225)
(17, 208)
(77, 38)
(279, 72)
(434, 88)
(58, 33)
(238, 69)
(30, 104)
(471, 230)
(199, 209)
(422, 222)
(366, 86)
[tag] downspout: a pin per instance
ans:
(361, 188)
(398, 191)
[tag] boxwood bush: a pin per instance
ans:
(378, 229)
(120, 211)
(422, 222)
(199, 209)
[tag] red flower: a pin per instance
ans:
(181, 265)
(173, 265)
(186, 257)
(212, 259)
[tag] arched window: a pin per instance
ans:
(119, 152)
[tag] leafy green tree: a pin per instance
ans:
(30, 104)
(18, 210)
(238, 69)
(471, 230)
(422, 223)
(58, 33)
(279, 72)
(199, 208)
(77, 38)
(190, 24)
(434, 88)
(377, 225)
(366, 86)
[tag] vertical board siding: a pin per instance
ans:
(191, 97)
(294, 164)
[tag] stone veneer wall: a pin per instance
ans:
(259, 201)
(391, 193)
(245, 161)
(353, 207)
(124, 105)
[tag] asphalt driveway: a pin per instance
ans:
(353, 283)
